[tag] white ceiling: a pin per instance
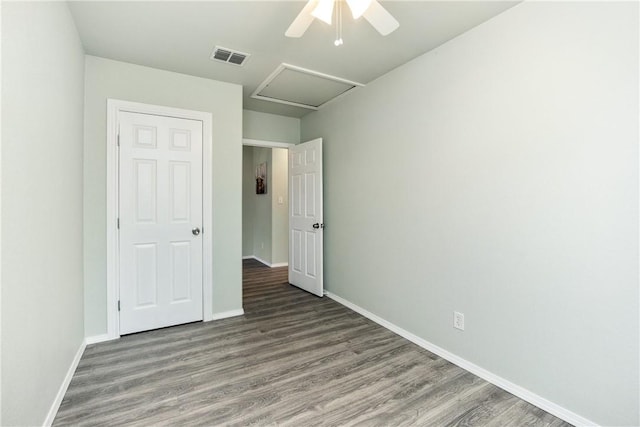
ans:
(180, 36)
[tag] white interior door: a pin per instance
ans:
(160, 215)
(305, 216)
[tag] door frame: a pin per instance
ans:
(114, 107)
(266, 144)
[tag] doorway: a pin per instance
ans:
(265, 194)
(297, 180)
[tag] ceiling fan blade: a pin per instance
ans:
(302, 21)
(380, 19)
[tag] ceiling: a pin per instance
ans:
(180, 37)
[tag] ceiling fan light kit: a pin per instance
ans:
(323, 10)
(358, 7)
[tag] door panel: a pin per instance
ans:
(145, 190)
(146, 279)
(160, 203)
(180, 271)
(179, 185)
(305, 201)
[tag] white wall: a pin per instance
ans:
(497, 175)
(262, 207)
(0, 217)
(270, 127)
(42, 291)
(280, 206)
(112, 79)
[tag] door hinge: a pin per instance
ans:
(118, 140)
(118, 223)
(118, 305)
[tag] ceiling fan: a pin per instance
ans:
(372, 11)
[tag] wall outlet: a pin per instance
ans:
(458, 320)
(262, 245)
(280, 200)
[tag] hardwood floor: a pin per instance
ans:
(293, 359)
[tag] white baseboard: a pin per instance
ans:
(99, 338)
(494, 379)
(226, 314)
(280, 264)
(248, 257)
(63, 387)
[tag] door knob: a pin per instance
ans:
(316, 225)
(195, 231)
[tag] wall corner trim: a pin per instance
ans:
(227, 314)
(53, 411)
(494, 379)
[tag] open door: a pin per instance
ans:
(305, 216)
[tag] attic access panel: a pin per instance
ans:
(301, 87)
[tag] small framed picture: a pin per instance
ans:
(261, 178)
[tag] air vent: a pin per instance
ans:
(229, 56)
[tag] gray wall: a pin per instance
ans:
(112, 79)
(42, 293)
(270, 127)
(497, 175)
(248, 200)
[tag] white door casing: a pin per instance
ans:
(306, 217)
(160, 221)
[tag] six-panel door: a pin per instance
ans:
(305, 217)
(160, 214)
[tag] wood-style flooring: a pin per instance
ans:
(293, 359)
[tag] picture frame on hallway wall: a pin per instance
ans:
(261, 178)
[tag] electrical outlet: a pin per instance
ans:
(458, 320)
(262, 245)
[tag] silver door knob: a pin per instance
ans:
(195, 231)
